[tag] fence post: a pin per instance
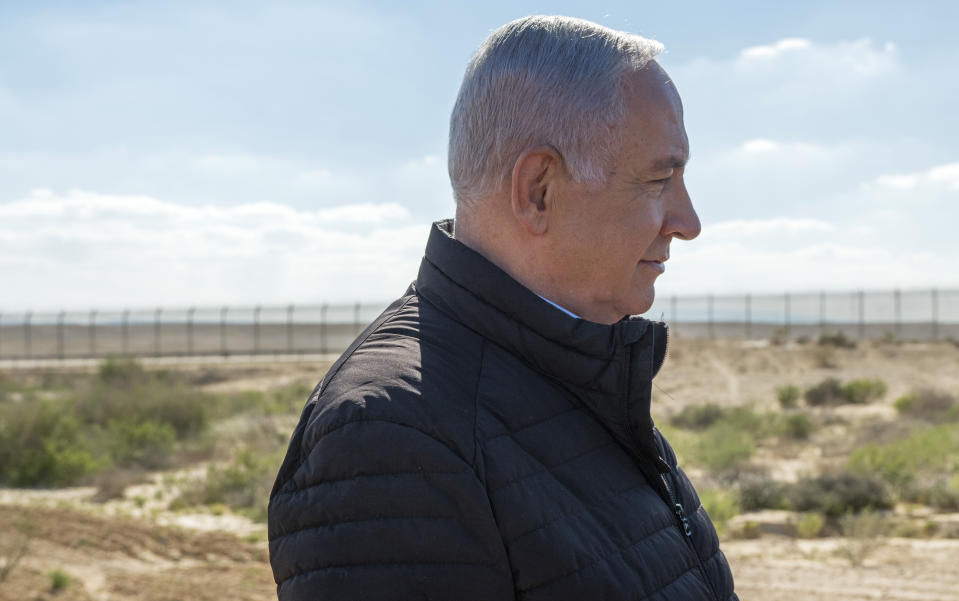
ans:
(356, 318)
(156, 331)
(674, 313)
(935, 314)
(256, 329)
(787, 314)
(27, 333)
(709, 314)
(289, 329)
(125, 331)
(223, 311)
(323, 341)
(60, 317)
(897, 305)
(822, 312)
(189, 330)
(862, 315)
(749, 316)
(93, 333)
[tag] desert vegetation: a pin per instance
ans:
(828, 454)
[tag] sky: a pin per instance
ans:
(202, 153)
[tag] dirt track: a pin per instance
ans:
(114, 558)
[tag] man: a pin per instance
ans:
(488, 437)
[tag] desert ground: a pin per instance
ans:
(134, 533)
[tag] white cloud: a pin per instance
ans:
(774, 50)
(759, 145)
(84, 248)
(767, 227)
(861, 58)
(942, 176)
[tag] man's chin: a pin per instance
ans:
(643, 302)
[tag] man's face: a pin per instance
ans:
(611, 243)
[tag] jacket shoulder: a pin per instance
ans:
(413, 367)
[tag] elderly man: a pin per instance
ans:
(489, 437)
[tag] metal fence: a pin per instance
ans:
(894, 314)
(329, 328)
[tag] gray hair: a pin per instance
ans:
(542, 80)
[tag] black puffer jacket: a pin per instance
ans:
(477, 443)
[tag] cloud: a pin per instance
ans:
(861, 58)
(418, 183)
(775, 50)
(87, 248)
(941, 176)
(767, 227)
(794, 86)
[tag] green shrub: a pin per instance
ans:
(827, 392)
(290, 398)
(944, 495)
(725, 438)
(927, 404)
(836, 339)
(795, 425)
(810, 525)
(697, 417)
(839, 494)
(924, 455)
(124, 416)
(759, 491)
(121, 372)
(243, 485)
(124, 392)
(788, 396)
(147, 443)
(863, 391)
(723, 448)
(41, 444)
(720, 505)
(59, 580)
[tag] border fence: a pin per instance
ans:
(329, 328)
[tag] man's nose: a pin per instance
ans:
(681, 218)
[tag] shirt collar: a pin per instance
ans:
(564, 310)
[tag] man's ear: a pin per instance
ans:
(533, 187)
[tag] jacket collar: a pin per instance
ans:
(608, 367)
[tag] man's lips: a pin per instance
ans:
(657, 265)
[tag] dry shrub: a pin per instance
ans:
(836, 339)
(928, 404)
(759, 491)
(827, 392)
(824, 357)
(837, 495)
(863, 533)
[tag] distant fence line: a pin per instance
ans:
(329, 328)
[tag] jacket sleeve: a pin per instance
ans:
(378, 510)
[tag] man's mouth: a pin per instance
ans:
(657, 265)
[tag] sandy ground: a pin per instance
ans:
(132, 549)
(119, 558)
(781, 569)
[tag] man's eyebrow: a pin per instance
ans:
(670, 162)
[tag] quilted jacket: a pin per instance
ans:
(476, 443)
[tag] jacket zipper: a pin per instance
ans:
(687, 530)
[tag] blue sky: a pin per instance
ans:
(209, 152)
